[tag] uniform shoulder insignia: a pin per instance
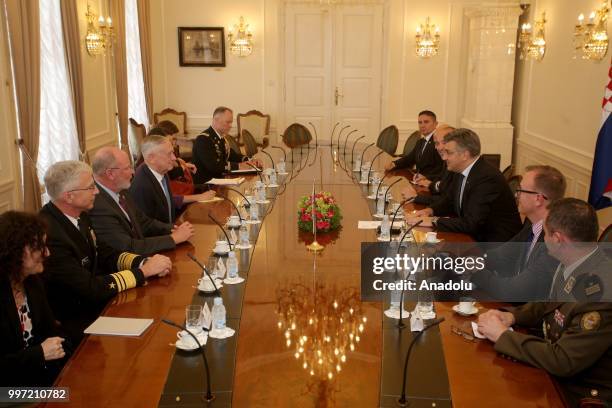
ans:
(590, 321)
(569, 285)
(592, 285)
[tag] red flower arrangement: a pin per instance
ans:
(326, 211)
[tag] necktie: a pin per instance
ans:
(168, 198)
(124, 205)
(529, 244)
(557, 282)
(460, 178)
(83, 229)
(131, 218)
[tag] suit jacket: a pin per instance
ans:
(26, 366)
(488, 212)
(149, 196)
(82, 274)
(589, 282)
(575, 346)
(428, 162)
(510, 277)
(439, 185)
(139, 234)
(211, 155)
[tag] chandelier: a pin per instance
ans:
(321, 327)
(427, 44)
(592, 38)
(531, 43)
(240, 41)
(99, 38)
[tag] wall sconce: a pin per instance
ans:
(592, 38)
(427, 45)
(532, 43)
(100, 37)
(240, 39)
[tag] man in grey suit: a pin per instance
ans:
(522, 269)
(117, 220)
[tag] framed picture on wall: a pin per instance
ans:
(201, 46)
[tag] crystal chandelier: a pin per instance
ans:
(591, 39)
(427, 44)
(99, 38)
(531, 43)
(321, 327)
(241, 41)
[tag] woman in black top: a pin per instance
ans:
(31, 350)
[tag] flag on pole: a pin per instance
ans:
(600, 194)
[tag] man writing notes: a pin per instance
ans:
(573, 341)
(81, 273)
(212, 154)
(480, 201)
(424, 155)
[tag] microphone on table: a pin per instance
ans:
(270, 157)
(315, 133)
(256, 169)
(331, 141)
(345, 142)
(353, 150)
(401, 205)
(372, 165)
(282, 150)
(246, 203)
(340, 135)
(229, 241)
(400, 323)
(209, 396)
(194, 259)
(234, 205)
(362, 154)
(385, 197)
(402, 399)
(316, 145)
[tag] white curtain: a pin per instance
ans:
(58, 135)
(137, 107)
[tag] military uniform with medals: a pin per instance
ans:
(573, 343)
(213, 156)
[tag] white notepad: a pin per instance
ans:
(376, 224)
(226, 182)
(118, 326)
(251, 170)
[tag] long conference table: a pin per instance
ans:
(256, 367)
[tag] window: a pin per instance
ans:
(137, 108)
(58, 135)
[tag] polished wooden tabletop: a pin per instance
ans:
(119, 371)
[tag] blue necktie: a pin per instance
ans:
(168, 198)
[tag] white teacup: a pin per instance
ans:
(466, 305)
(431, 236)
(234, 221)
(205, 284)
(221, 246)
(186, 340)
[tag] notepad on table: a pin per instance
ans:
(375, 224)
(245, 171)
(226, 182)
(118, 326)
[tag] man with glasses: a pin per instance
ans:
(479, 199)
(117, 220)
(522, 269)
(82, 273)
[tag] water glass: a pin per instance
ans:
(193, 318)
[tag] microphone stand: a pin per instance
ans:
(316, 145)
(193, 258)
(380, 184)
(372, 165)
(385, 198)
(344, 148)
(234, 205)
(331, 141)
(362, 153)
(353, 152)
(256, 169)
(406, 201)
(340, 134)
(402, 399)
(270, 157)
(282, 150)
(229, 241)
(400, 323)
(246, 203)
(209, 396)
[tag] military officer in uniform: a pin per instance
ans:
(212, 154)
(81, 273)
(573, 341)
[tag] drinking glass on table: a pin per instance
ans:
(193, 318)
(212, 266)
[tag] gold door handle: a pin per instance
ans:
(336, 95)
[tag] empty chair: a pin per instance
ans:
(136, 135)
(257, 124)
(296, 135)
(250, 145)
(387, 139)
(233, 144)
(411, 142)
(178, 118)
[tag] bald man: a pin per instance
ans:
(117, 220)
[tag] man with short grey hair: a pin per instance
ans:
(81, 273)
(480, 201)
(117, 220)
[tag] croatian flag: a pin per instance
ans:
(600, 194)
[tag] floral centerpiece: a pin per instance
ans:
(326, 211)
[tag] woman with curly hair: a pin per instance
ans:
(31, 349)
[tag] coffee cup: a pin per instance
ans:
(221, 246)
(466, 305)
(205, 284)
(234, 220)
(186, 340)
(431, 236)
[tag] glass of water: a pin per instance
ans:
(193, 318)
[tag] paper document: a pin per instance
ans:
(250, 170)
(375, 224)
(226, 182)
(211, 200)
(118, 326)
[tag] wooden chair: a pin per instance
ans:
(508, 172)
(411, 142)
(296, 135)
(387, 139)
(257, 123)
(138, 133)
(250, 144)
(493, 159)
(233, 144)
(178, 118)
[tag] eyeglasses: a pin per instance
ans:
(128, 167)
(91, 188)
(459, 332)
(520, 190)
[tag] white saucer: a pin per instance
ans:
(380, 216)
(363, 182)
(219, 286)
(473, 312)
(383, 240)
(233, 281)
(437, 241)
(282, 174)
(253, 222)
(238, 246)
(180, 345)
(220, 252)
(272, 185)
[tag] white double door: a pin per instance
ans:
(333, 59)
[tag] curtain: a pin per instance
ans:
(144, 25)
(72, 45)
(24, 37)
(118, 16)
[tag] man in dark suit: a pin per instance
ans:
(82, 274)
(522, 269)
(575, 345)
(480, 200)
(150, 188)
(424, 155)
(117, 220)
(211, 151)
